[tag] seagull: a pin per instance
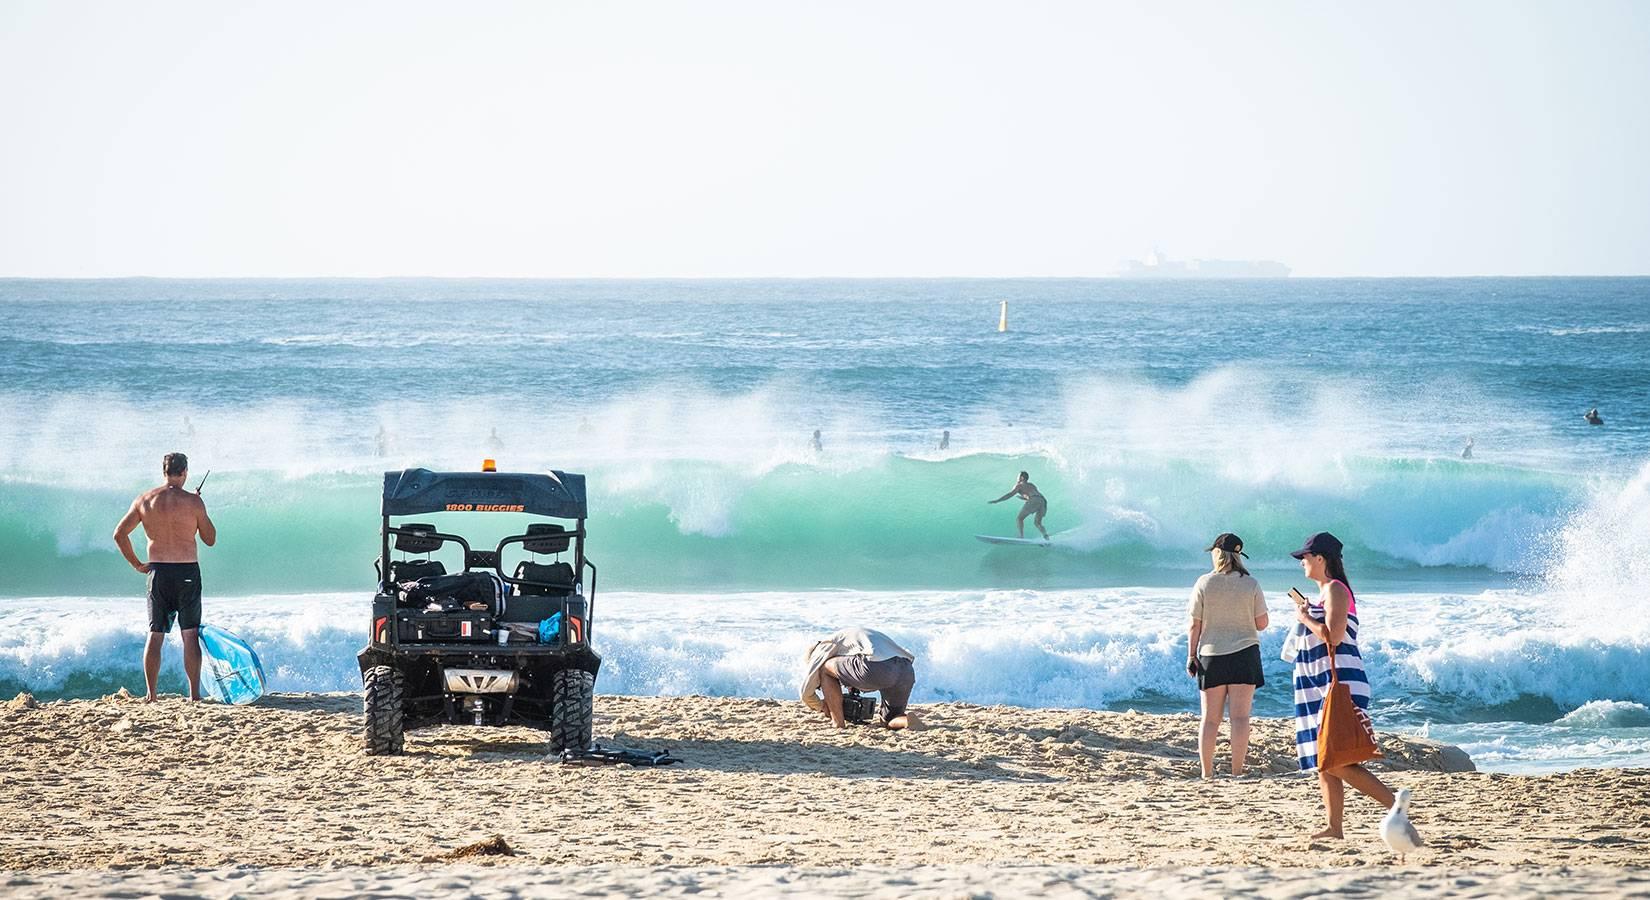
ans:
(1396, 830)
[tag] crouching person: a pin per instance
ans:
(867, 661)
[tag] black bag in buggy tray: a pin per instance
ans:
(464, 587)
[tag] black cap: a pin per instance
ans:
(1229, 542)
(1323, 544)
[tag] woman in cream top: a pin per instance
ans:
(1228, 612)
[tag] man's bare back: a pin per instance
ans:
(171, 517)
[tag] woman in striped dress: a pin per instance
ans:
(1332, 620)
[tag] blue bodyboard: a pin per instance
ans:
(230, 670)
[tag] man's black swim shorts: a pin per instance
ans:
(174, 596)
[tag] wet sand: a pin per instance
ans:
(202, 798)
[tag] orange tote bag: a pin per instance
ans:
(1345, 733)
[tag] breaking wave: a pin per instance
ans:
(883, 522)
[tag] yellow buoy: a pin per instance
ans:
(1002, 320)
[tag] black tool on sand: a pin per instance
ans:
(597, 755)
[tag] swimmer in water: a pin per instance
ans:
(1036, 504)
(945, 440)
(1466, 452)
(1592, 417)
(818, 443)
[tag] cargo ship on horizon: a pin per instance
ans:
(1156, 265)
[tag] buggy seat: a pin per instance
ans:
(416, 538)
(555, 578)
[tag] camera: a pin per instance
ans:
(857, 707)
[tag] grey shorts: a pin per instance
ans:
(892, 678)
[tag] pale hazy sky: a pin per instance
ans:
(862, 139)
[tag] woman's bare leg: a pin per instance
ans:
(1240, 699)
(1365, 782)
(1334, 798)
(1214, 700)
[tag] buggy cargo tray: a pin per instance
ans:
(417, 625)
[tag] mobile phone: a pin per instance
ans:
(1297, 596)
(203, 481)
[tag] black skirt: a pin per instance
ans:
(1242, 667)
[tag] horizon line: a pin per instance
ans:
(1170, 279)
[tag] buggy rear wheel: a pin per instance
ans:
(381, 702)
(572, 709)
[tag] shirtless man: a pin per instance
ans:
(1035, 503)
(171, 516)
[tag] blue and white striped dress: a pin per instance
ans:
(1312, 679)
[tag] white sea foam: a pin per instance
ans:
(1438, 658)
(1585, 330)
(1607, 714)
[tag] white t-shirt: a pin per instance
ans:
(1227, 604)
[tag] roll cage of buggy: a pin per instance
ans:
(481, 646)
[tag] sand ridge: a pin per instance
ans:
(117, 784)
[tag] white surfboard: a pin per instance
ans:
(1018, 542)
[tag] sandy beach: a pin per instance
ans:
(110, 796)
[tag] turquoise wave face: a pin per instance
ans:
(885, 522)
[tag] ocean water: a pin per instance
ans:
(1502, 596)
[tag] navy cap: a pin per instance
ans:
(1323, 544)
(1229, 542)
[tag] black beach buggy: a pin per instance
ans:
(479, 646)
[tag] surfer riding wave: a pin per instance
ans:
(1035, 504)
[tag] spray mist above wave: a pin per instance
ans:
(1258, 426)
(1598, 559)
